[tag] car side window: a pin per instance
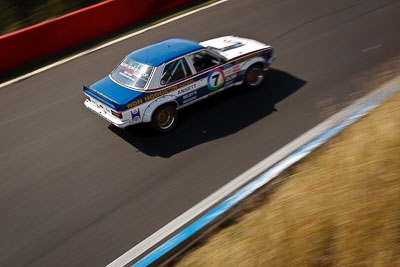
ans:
(203, 60)
(174, 71)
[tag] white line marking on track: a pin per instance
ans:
(371, 48)
(91, 50)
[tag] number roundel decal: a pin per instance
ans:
(216, 79)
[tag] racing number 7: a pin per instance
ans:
(215, 77)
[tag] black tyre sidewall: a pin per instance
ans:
(174, 112)
(246, 82)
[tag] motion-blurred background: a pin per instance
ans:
(18, 14)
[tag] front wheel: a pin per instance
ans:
(254, 77)
(165, 118)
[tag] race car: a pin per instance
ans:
(152, 83)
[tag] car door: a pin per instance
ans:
(175, 76)
(207, 65)
(208, 76)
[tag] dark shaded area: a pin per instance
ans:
(215, 117)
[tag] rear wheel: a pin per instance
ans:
(254, 77)
(165, 118)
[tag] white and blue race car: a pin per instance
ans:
(152, 83)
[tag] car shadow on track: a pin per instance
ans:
(215, 117)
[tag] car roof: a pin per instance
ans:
(161, 52)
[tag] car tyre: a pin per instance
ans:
(255, 76)
(164, 118)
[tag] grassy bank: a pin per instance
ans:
(340, 206)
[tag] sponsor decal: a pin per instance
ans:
(215, 79)
(151, 96)
(159, 93)
(186, 83)
(135, 114)
(232, 46)
(187, 86)
(135, 103)
(189, 97)
(247, 57)
(231, 77)
(130, 70)
(236, 68)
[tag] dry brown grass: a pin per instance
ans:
(339, 207)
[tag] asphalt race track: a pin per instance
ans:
(74, 192)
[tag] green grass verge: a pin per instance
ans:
(340, 206)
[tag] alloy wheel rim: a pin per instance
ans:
(255, 77)
(165, 119)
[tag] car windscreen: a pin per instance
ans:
(132, 73)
